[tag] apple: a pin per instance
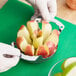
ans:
(38, 41)
(68, 62)
(44, 41)
(46, 29)
(42, 50)
(56, 32)
(70, 70)
(54, 37)
(21, 43)
(51, 47)
(52, 42)
(32, 27)
(71, 4)
(29, 50)
(24, 46)
(23, 32)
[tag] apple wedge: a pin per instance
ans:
(68, 62)
(54, 37)
(29, 50)
(51, 47)
(46, 29)
(23, 32)
(32, 27)
(52, 42)
(42, 50)
(21, 43)
(70, 70)
(24, 46)
(37, 42)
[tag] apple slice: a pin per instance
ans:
(58, 74)
(42, 50)
(23, 32)
(46, 29)
(51, 47)
(54, 37)
(70, 70)
(37, 42)
(33, 28)
(21, 43)
(68, 62)
(24, 46)
(29, 50)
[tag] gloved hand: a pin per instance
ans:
(46, 8)
(9, 57)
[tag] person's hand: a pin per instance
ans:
(9, 57)
(46, 8)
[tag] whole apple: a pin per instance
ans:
(71, 4)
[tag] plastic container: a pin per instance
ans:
(56, 68)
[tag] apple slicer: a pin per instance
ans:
(33, 59)
(38, 59)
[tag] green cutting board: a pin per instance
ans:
(12, 16)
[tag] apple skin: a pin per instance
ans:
(52, 42)
(29, 50)
(68, 62)
(24, 46)
(71, 4)
(21, 43)
(42, 50)
(51, 47)
(56, 32)
(70, 70)
(54, 37)
(23, 32)
(45, 41)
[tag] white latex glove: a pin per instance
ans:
(7, 62)
(47, 8)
